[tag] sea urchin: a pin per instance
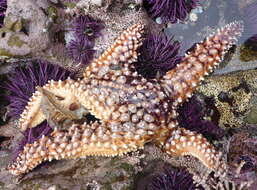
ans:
(3, 7)
(170, 10)
(158, 54)
(23, 81)
(85, 30)
(173, 179)
(21, 85)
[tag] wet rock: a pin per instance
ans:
(233, 95)
(27, 27)
(23, 33)
(242, 151)
(251, 117)
(248, 51)
(37, 29)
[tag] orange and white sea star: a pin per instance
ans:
(132, 110)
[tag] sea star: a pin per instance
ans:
(132, 110)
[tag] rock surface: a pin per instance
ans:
(30, 31)
(136, 168)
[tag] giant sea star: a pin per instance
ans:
(132, 110)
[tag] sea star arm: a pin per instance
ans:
(181, 81)
(79, 141)
(122, 51)
(56, 101)
(184, 142)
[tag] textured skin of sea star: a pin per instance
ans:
(131, 110)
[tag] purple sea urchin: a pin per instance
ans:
(23, 80)
(252, 42)
(191, 117)
(86, 30)
(31, 135)
(87, 27)
(81, 51)
(173, 179)
(3, 7)
(21, 84)
(254, 38)
(158, 54)
(169, 10)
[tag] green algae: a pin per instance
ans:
(12, 41)
(238, 90)
(52, 13)
(70, 5)
(8, 23)
(4, 31)
(248, 53)
(251, 117)
(1, 185)
(15, 41)
(14, 25)
(4, 52)
(36, 187)
(107, 187)
(17, 27)
(119, 174)
(114, 161)
(127, 167)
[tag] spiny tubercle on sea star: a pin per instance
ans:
(132, 110)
